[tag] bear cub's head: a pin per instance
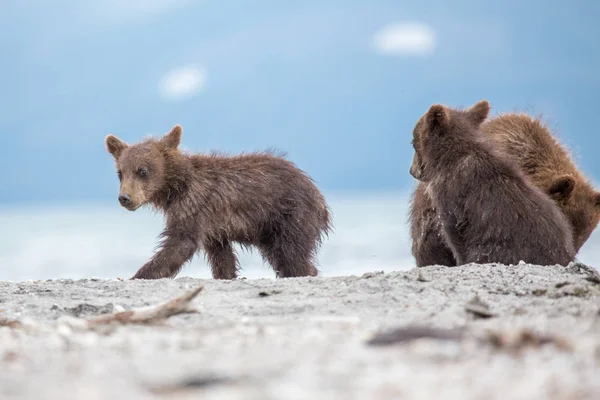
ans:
(442, 124)
(142, 167)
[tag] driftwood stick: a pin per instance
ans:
(151, 314)
(143, 315)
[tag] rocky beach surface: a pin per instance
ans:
(469, 332)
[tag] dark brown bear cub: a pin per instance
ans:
(212, 201)
(489, 212)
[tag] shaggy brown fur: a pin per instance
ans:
(212, 201)
(544, 161)
(428, 244)
(549, 166)
(489, 211)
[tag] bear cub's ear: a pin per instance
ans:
(437, 116)
(479, 112)
(597, 199)
(562, 188)
(115, 146)
(173, 138)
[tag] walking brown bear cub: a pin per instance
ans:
(212, 201)
(487, 209)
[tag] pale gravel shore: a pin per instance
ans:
(306, 338)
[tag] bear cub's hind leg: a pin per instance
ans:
(288, 257)
(221, 258)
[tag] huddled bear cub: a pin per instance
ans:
(548, 165)
(544, 161)
(487, 210)
(211, 201)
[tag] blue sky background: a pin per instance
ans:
(338, 84)
(306, 77)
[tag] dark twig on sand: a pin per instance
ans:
(193, 384)
(512, 341)
(517, 340)
(414, 332)
(10, 323)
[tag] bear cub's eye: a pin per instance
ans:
(142, 171)
(120, 175)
